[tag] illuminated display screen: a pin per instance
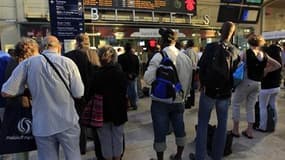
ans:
(249, 15)
(183, 6)
(231, 1)
(253, 2)
(228, 13)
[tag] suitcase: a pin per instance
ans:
(210, 136)
(270, 118)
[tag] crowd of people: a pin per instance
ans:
(59, 86)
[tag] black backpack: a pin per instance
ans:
(214, 72)
(166, 84)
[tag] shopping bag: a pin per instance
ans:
(16, 130)
(238, 74)
(92, 114)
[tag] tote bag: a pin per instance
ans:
(92, 114)
(239, 74)
(16, 130)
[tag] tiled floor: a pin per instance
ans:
(139, 137)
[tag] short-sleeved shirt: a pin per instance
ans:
(52, 105)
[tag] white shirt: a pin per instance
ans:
(52, 105)
(183, 66)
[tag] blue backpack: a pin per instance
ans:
(166, 84)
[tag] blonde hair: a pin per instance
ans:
(26, 48)
(256, 40)
(93, 57)
(107, 55)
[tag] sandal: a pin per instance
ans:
(244, 133)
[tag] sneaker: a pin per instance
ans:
(192, 156)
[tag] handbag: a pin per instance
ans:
(16, 130)
(239, 74)
(92, 114)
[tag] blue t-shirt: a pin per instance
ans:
(4, 59)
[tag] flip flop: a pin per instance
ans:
(246, 135)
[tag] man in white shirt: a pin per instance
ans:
(55, 121)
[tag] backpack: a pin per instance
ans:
(166, 84)
(214, 72)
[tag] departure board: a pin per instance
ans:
(155, 5)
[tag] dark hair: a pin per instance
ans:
(227, 30)
(190, 43)
(167, 36)
(128, 48)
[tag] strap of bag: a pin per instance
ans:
(58, 73)
(164, 54)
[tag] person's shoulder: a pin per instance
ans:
(157, 56)
(70, 53)
(5, 56)
(66, 59)
(183, 57)
(122, 55)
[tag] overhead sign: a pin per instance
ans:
(66, 18)
(148, 32)
(177, 6)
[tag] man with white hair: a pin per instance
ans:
(55, 121)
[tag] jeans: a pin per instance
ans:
(267, 97)
(132, 92)
(162, 114)
(48, 147)
(206, 105)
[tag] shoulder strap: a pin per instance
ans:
(164, 54)
(58, 73)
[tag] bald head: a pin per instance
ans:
(227, 31)
(51, 43)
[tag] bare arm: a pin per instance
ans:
(271, 65)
